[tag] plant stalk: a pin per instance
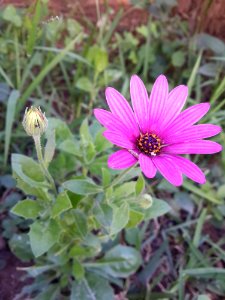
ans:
(37, 142)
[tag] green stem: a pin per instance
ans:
(37, 142)
(17, 54)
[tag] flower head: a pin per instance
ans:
(156, 132)
(34, 121)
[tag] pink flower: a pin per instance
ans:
(156, 132)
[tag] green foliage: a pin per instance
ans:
(43, 235)
(99, 227)
(28, 209)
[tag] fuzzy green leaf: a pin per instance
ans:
(61, 204)
(158, 208)
(28, 209)
(82, 186)
(43, 236)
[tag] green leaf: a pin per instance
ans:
(28, 170)
(62, 131)
(101, 143)
(80, 223)
(45, 71)
(11, 108)
(203, 297)
(50, 147)
(125, 190)
(120, 218)
(11, 15)
(140, 185)
(71, 147)
(135, 218)
(20, 246)
(84, 132)
(92, 287)
(106, 177)
(61, 204)
(43, 236)
(35, 271)
(78, 270)
(158, 208)
(83, 83)
(28, 209)
(178, 58)
(82, 187)
(120, 261)
(99, 57)
(103, 213)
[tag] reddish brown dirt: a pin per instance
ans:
(202, 15)
(10, 283)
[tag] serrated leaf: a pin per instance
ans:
(61, 204)
(28, 209)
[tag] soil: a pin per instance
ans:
(202, 15)
(10, 277)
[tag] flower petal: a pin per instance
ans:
(168, 169)
(194, 147)
(121, 108)
(174, 104)
(158, 97)
(195, 132)
(147, 166)
(121, 159)
(187, 118)
(118, 139)
(140, 103)
(113, 123)
(189, 169)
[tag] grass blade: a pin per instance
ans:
(199, 192)
(194, 73)
(45, 71)
(11, 108)
(6, 77)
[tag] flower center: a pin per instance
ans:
(149, 144)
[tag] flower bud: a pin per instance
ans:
(146, 201)
(34, 121)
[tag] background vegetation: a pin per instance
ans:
(64, 66)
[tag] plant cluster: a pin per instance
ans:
(90, 232)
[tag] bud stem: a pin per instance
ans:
(37, 142)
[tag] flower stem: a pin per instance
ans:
(37, 142)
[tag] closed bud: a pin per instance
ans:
(146, 201)
(34, 121)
